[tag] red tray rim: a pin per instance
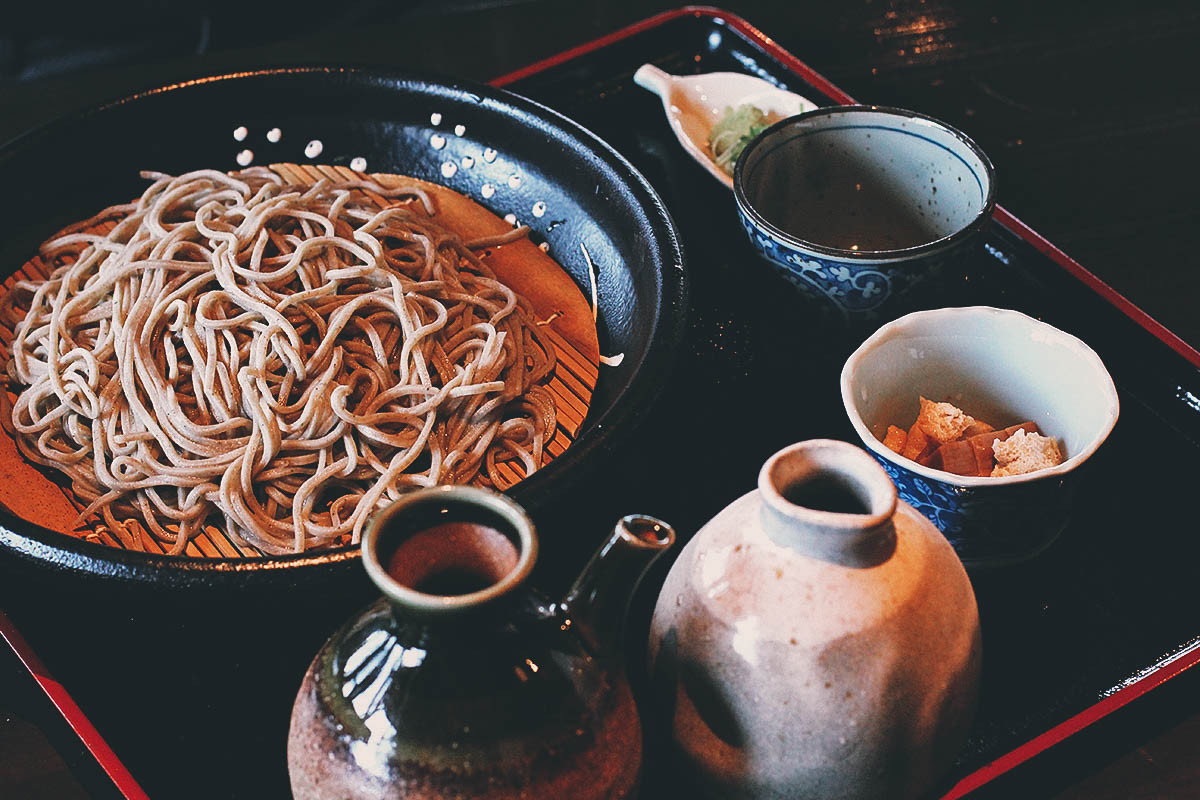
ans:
(823, 84)
(58, 695)
(1151, 678)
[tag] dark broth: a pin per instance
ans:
(450, 548)
(453, 581)
(826, 493)
(872, 218)
(850, 195)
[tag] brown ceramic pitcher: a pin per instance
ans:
(462, 682)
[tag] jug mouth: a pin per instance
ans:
(446, 549)
(644, 532)
(828, 483)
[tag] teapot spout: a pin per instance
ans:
(597, 603)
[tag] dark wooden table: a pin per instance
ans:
(1090, 112)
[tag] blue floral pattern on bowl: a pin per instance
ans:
(812, 183)
(854, 289)
(1000, 525)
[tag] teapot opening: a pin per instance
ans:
(453, 558)
(648, 530)
(449, 548)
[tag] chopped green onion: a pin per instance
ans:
(733, 131)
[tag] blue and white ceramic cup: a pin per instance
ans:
(859, 206)
(1000, 366)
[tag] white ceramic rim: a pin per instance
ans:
(763, 225)
(873, 479)
(899, 326)
(872, 258)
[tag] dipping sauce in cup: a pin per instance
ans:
(859, 205)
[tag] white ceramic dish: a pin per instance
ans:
(693, 104)
(997, 365)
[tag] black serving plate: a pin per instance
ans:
(458, 134)
(1104, 615)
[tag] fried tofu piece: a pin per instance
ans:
(895, 439)
(943, 422)
(958, 457)
(1024, 452)
(918, 446)
(946, 438)
(983, 444)
(977, 427)
(972, 455)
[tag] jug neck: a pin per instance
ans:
(450, 555)
(598, 601)
(829, 500)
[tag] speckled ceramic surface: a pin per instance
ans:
(807, 653)
(998, 365)
(858, 206)
(488, 693)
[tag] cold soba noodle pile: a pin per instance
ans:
(278, 361)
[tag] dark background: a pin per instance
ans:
(1090, 112)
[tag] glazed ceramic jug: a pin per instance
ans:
(462, 682)
(816, 639)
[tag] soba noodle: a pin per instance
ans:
(274, 360)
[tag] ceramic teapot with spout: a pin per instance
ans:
(462, 681)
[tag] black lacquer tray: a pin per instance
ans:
(189, 696)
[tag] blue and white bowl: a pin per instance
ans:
(859, 206)
(997, 365)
